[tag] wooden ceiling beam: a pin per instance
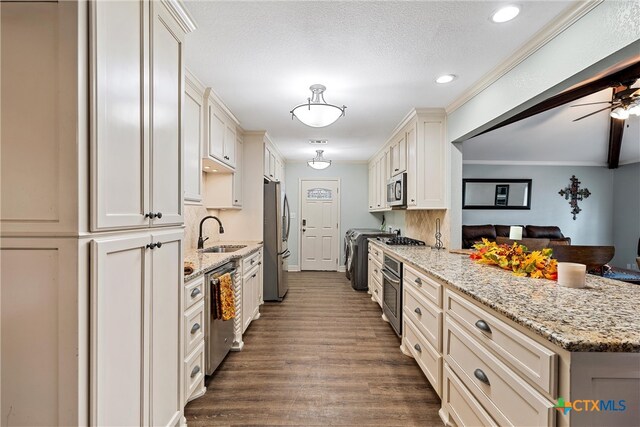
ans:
(612, 80)
(616, 130)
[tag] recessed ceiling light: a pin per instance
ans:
(446, 78)
(206, 167)
(215, 170)
(505, 14)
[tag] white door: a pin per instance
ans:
(120, 286)
(120, 141)
(166, 113)
(166, 314)
(320, 224)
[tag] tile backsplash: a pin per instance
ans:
(193, 214)
(422, 225)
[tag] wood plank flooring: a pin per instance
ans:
(322, 357)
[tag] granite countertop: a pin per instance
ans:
(603, 317)
(207, 261)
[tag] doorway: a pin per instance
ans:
(319, 224)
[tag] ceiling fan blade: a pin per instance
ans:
(592, 103)
(591, 114)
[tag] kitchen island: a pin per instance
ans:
(505, 349)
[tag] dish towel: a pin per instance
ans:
(227, 300)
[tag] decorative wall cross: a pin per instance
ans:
(574, 194)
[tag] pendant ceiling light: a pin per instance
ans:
(319, 162)
(316, 112)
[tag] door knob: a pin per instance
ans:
(304, 229)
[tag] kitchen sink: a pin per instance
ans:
(223, 248)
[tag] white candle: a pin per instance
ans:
(571, 274)
(515, 232)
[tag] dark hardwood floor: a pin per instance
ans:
(321, 357)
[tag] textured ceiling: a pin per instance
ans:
(378, 58)
(552, 136)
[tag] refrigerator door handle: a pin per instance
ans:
(287, 217)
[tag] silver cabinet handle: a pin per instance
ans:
(375, 290)
(483, 326)
(418, 348)
(195, 292)
(418, 311)
(195, 328)
(418, 281)
(254, 275)
(252, 261)
(195, 371)
(480, 375)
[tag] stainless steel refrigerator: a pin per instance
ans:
(277, 224)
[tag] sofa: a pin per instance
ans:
(475, 233)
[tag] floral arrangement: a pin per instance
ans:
(536, 264)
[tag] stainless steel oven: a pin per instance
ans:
(392, 292)
(397, 190)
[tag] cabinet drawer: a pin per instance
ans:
(378, 292)
(377, 253)
(506, 397)
(194, 371)
(429, 360)
(423, 284)
(377, 270)
(462, 407)
(193, 327)
(532, 360)
(193, 292)
(424, 315)
(251, 261)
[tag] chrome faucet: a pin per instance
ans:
(200, 239)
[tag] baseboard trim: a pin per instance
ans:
(293, 268)
(342, 269)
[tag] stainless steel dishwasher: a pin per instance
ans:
(218, 337)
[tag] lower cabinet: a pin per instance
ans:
(136, 326)
(251, 288)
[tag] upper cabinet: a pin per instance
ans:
(273, 163)
(192, 134)
(420, 149)
(220, 134)
(136, 94)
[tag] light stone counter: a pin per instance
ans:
(604, 317)
(204, 262)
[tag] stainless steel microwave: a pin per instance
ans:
(397, 190)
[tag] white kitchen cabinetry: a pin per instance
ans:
(237, 175)
(251, 288)
(194, 338)
(419, 147)
(398, 154)
(274, 165)
(136, 351)
(220, 134)
(378, 177)
(137, 157)
(192, 124)
(102, 152)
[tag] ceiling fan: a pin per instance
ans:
(625, 101)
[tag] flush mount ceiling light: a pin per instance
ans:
(318, 141)
(316, 112)
(446, 78)
(319, 162)
(505, 14)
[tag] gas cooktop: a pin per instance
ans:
(402, 241)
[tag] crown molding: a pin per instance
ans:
(532, 163)
(181, 15)
(542, 37)
(213, 96)
(194, 82)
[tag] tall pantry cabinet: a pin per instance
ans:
(92, 212)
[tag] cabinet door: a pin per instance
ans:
(192, 144)
(119, 118)
(166, 353)
(267, 159)
(431, 182)
(378, 175)
(411, 165)
(217, 129)
(237, 175)
(394, 153)
(401, 164)
(246, 301)
(230, 144)
(272, 166)
(372, 185)
(120, 289)
(166, 118)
